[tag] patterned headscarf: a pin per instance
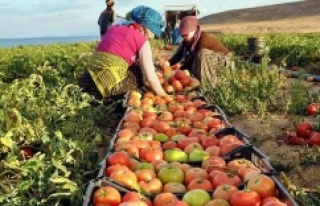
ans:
(188, 24)
(148, 17)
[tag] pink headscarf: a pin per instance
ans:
(190, 24)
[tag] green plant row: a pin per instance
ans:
(42, 107)
(284, 49)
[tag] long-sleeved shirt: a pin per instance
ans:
(206, 41)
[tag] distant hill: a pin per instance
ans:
(296, 17)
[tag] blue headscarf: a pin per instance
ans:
(148, 17)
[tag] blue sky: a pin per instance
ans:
(50, 18)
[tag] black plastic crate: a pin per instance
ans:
(253, 154)
(232, 131)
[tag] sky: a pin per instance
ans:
(60, 18)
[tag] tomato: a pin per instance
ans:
(134, 203)
(245, 198)
(145, 174)
(229, 147)
(108, 195)
(200, 183)
(132, 117)
(171, 174)
(179, 74)
(210, 141)
(121, 158)
(164, 198)
(131, 196)
(126, 133)
(183, 143)
(178, 87)
(214, 150)
(189, 148)
(304, 130)
(177, 203)
(129, 148)
(312, 109)
(226, 178)
(169, 145)
(263, 185)
(146, 123)
(165, 116)
(194, 173)
(161, 126)
(224, 192)
(295, 140)
(267, 200)
(314, 139)
(153, 186)
(149, 155)
(131, 125)
(217, 202)
(125, 177)
(213, 163)
(112, 168)
(174, 187)
(26, 152)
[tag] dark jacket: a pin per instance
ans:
(106, 19)
(205, 41)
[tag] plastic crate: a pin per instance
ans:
(96, 184)
(253, 154)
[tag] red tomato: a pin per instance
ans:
(314, 139)
(107, 195)
(245, 198)
(121, 158)
(304, 130)
(153, 186)
(225, 178)
(149, 155)
(263, 185)
(112, 168)
(200, 183)
(145, 174)
(194, 173)
(224, 192)
(312, 109)
(164, 199)
(131, 196)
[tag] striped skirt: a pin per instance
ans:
(109, 76)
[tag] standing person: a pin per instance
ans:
(199, 52)
(106, 18)
(114, 69)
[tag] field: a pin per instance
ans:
(53, 135)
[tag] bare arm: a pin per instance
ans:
(148, 69)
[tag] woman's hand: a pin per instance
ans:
(176, 66)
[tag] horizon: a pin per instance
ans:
(57, 18)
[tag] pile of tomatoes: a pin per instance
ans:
(304, 134)
(169, 151)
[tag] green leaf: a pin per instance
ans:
(6, 140)
(45, 139)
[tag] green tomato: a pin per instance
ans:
(170, 174)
